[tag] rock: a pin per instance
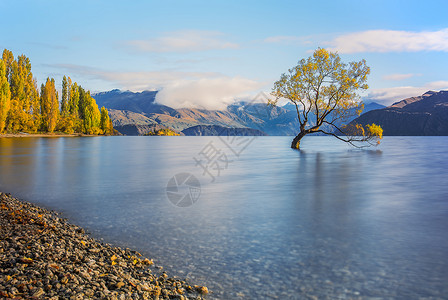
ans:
(39, 292)
(26, 260)
(13, 291)
(145, 287)
(203, 290)
(147, 262)
(59, 261)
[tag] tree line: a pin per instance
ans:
(25, 108)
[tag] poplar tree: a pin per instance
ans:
(7, 58)
(91, 116)
(22, 109)
(105, 123)
(65, 92)
(5, 95)
(73, 102)
(24, 96)
(49, 105)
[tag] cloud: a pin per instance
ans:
(183, 42)
(388, 96)
(398, 77)
(210, 93)
(391, 41)
(134, 81)
(176, 89)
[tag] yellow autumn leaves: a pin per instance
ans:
(325, 92)
(23, 108)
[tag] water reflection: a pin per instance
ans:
(328, 221)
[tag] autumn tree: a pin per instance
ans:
(324, 91)
(73, 101)
(89, 113)
(65, 96)
(8, 58)
(68, 120)
(23, 113)
(105, 122)
(5, 95)
(22, 109)
(49, 105)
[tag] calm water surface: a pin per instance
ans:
(328, 221)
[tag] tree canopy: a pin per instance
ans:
(324, 91)
(24, 109)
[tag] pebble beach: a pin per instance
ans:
(43, 256)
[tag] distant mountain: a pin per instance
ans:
(423, 115)
(126, 117)
(215, 130)
(141, 109)
(372, 106)
(126, 108)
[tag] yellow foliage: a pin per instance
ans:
(375, 130)
(22, 109)
(163, 132)
(325, 91)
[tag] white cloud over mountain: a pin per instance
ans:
(209, 93)
(177, 89)
(388, 96)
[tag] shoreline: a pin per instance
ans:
(43, 256)
(22, 134)
(55, 134)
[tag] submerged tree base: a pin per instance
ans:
(295, 144)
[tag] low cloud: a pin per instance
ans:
(176, 89)
(398, 77)
(391, 41)
(209, 93)
(183, 42)
(387, 96)
(134, 81)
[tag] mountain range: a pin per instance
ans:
(138, 113)
(423, 115)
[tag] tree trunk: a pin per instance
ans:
(296, 141)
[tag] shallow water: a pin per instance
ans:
(328, 221)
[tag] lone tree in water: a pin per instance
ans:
(324, 92)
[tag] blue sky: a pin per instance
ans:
(209, 53)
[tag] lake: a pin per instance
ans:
(249, 217)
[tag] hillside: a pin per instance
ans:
(423, 115)
(128, 108)
(214, 130)
(133, 129)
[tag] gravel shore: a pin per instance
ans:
(42, 256)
